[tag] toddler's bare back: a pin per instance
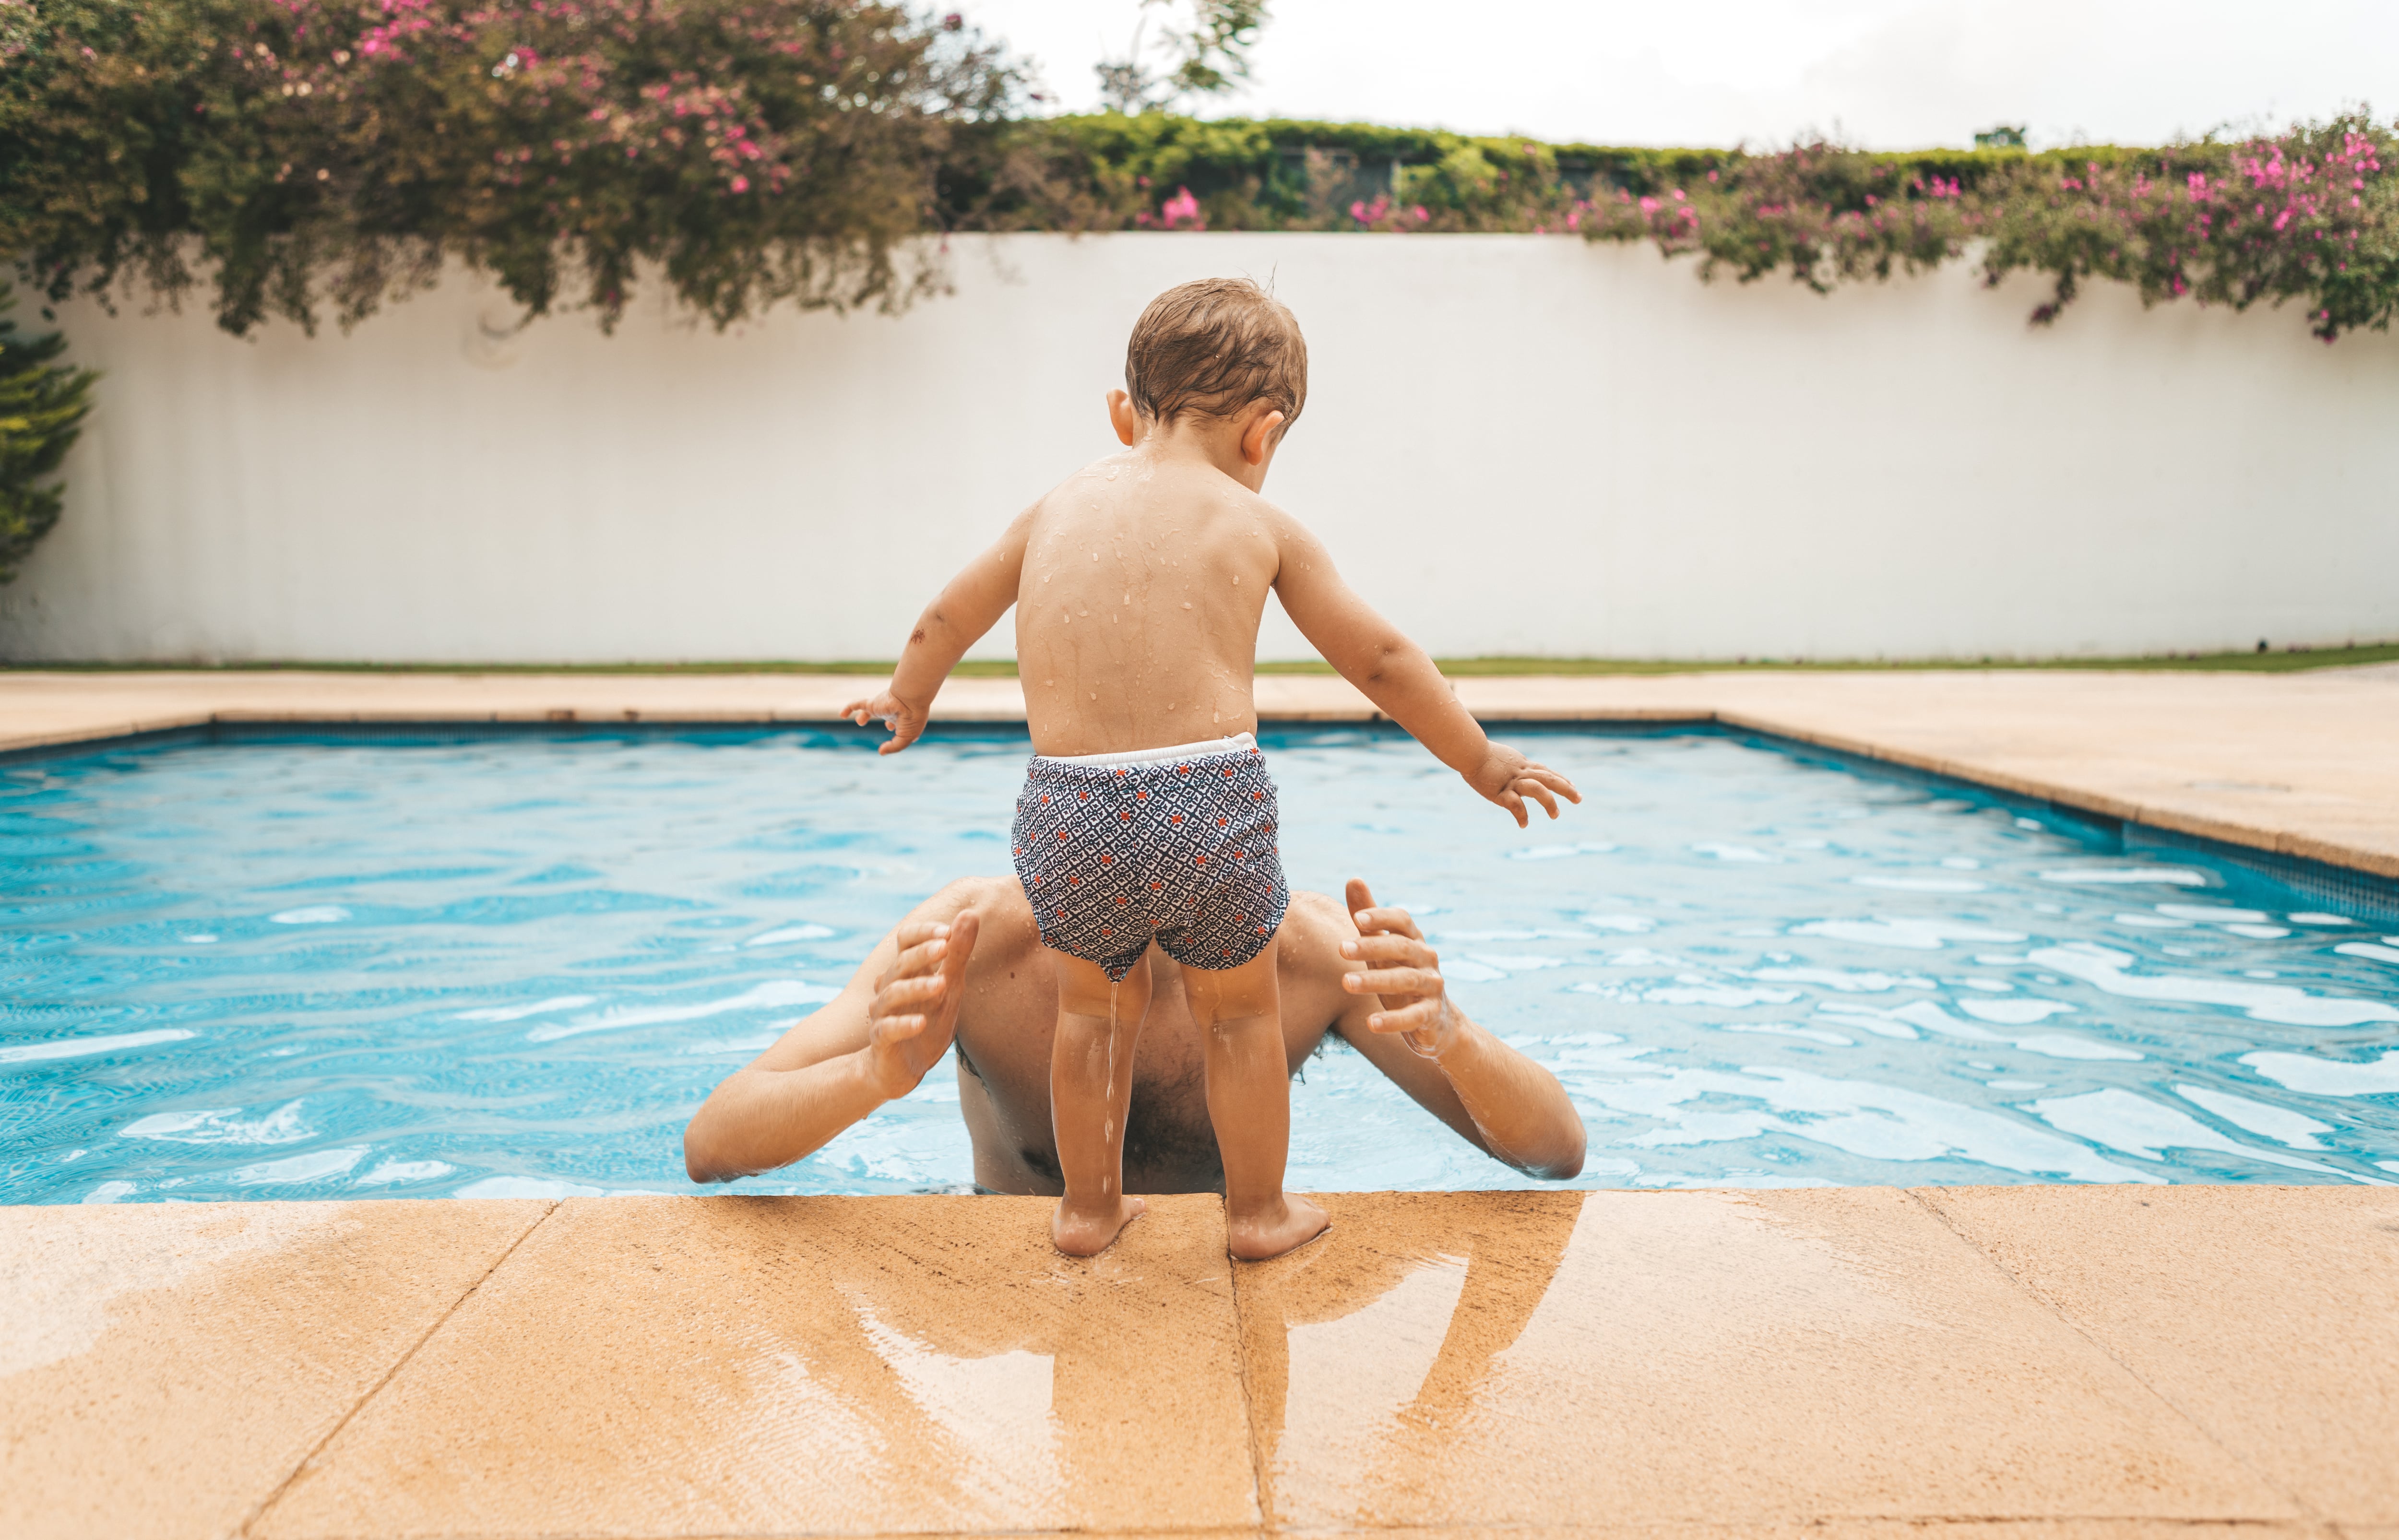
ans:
(1137, 613)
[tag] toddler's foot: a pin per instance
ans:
(1087, 1232)
(1269, 1233)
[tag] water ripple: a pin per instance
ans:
(513, 965)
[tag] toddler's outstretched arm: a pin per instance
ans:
(1399, 677)
(957, 620)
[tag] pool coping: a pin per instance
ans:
(2052, 1361)
(2316, 827)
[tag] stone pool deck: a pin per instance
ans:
(2029, 1361)
(2033, 1361)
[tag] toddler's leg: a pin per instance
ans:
(1090, 1086)
(1240, 1010)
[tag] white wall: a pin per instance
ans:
(1515, 444)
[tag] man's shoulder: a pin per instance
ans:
(995, 899)
(1314, 928)
(1318, 910)
(1005, 919)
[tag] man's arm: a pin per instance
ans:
(957, 620)
(1399, 677)
(870, 1045)
(1405, 1024)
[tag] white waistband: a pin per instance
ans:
(1240, 743)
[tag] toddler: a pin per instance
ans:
(1147, 815)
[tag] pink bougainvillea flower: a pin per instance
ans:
(740, 184)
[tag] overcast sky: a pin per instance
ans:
(1880, 74)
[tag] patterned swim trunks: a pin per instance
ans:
(1173, 844)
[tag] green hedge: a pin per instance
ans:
(2312, 214)
(305, 157)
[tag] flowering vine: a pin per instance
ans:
(303, 151)
(2310, 214)
(305, 154)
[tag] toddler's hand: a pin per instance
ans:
(1508, 778)
(907, 722)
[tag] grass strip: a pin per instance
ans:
(2286, 660)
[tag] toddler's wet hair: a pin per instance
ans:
(1213, 347)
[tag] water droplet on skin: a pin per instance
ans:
(1237, 580)
(1186, 604)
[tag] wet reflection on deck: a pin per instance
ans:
(1555, 1357)
(878, 1365)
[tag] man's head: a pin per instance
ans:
(1223, 350)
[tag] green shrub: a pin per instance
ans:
(300, 152)
(42, 407)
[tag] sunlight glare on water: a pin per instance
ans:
(310, 966)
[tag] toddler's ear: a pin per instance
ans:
(1258, 441)
(1122, 418)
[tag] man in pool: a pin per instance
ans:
(965, 967)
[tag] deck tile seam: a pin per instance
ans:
(266, 1504)
(1258, 1486)
(2308, 1511)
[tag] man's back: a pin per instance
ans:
(1138, 605)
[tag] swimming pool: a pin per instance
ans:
(511, 963)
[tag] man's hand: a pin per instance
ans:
(1508, 778)
(1402, 969)
(914, 1012)
(907, 722)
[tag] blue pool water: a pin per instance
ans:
(306, 966)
